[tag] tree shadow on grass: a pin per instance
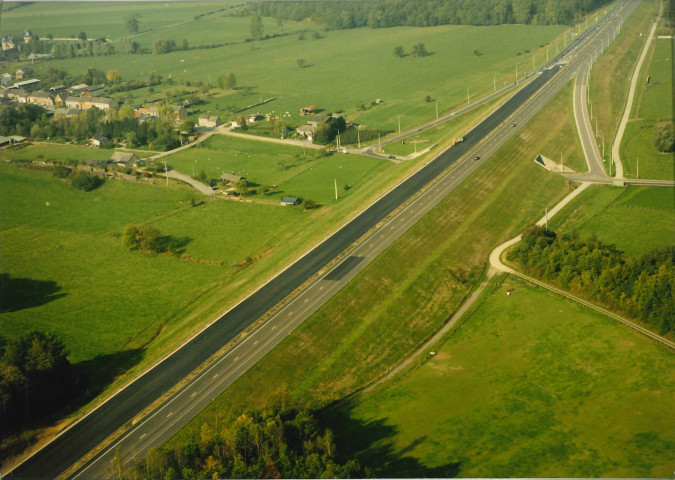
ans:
(173, 245)
(94, 375)
(19, 293)
(371, 442)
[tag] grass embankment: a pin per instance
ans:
(531, 385)
(653, 105)
(635, 219)
(411, 289)
(611, 74)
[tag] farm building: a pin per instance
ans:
(289, 201)
(124, 159)
(230, 178)
(40, 98)
(98, 139)
(22, 72)
(208, 121)
(308, 110)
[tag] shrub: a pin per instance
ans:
(86, 181)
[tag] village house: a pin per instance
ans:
(5, 78)
(40, 98)
(85, 103)
(22, 72)
(98, 139)
(57, 88)
(8, 43)
(19, 96)
(92, 91)
(313, 123)
(78, 89)
(180, 112)
(27, 36)
(209, 121)
(122, 159)
(306, 131)
(252, 118)
(230, 178)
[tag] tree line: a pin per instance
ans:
(426, 13)
(36, 377)
(32, 121)
(274, 443)
(640, 287)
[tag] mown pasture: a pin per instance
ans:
(531, 385)
(344, 69)
(635, 219)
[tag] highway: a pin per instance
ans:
(177, 409)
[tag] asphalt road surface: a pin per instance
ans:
(85, 435)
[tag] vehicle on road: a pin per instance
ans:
(476, 157)
(456, 141)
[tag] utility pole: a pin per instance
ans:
(436, 109)
(637, 174)
(336, 195)
(399, 124)
(516, 73)
(358, 135)
(166, 174)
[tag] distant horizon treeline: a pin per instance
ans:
(340, 15)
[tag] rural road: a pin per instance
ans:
(121, 408)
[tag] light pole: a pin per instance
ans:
(603, 145)
(436, 109)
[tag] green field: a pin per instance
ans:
(344, 68)
(530, 385)
(163, 20)
(635, 219)
(653, 105)
(311, 175)
(656, 100)
(410, 290)
(56, 153)
(640, 157)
